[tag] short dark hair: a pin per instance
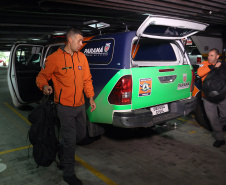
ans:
(216, 50)
(73, 31)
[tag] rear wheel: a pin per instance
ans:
(200, 114)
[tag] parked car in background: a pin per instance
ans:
(1, 62)
(195, 56)
(141, 78)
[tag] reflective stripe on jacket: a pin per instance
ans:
(70, 75)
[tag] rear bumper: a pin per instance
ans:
(144, 117)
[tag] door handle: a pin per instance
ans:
(167, 79)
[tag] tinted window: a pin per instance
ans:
(167, 31)
(154, 51)
(195, 52)
(28, 56)
(99, 51)
(52, 49)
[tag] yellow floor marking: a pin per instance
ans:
(17, 113)
(16, 149)
(187, 121)
(83, 163)
(192, 132)
(95, 172)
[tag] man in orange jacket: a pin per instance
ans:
(69, 70)
(212, 108)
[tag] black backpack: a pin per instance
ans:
(214, 85)
(42, 133)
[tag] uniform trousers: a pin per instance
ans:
(73, 129)
(216, 113)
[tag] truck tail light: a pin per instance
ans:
(121, 94)
(198, 60)
(192, 81)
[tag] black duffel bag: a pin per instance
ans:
(214, 85)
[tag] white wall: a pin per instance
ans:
(204, 44)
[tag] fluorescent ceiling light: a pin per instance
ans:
(86, 30)
(96, 24)
(35, 39)
(99, 25)
(59, 33)
(90, 22)
(147, 14)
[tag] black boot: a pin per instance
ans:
(218, 143)
(72, 180)
(224, 128)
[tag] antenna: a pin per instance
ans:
(126, 26)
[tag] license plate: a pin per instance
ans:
(159, 109)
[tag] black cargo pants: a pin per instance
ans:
(73, 129)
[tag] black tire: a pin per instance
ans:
(200, 115)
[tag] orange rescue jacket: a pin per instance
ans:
(203, 70)
(70, 75)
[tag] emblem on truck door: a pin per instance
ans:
(184, 77)
(107, 47)
(185, 84)
(145, 87)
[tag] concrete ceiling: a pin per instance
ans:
(24, 20)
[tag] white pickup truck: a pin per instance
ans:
(195, 57)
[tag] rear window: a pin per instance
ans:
(154, 50)
(99, 51)
(159, 30)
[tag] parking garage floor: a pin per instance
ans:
(178, 153)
